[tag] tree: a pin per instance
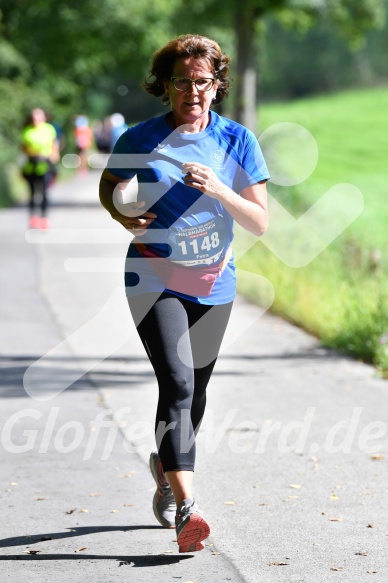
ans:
(247, 14)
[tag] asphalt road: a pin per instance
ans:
(291, 458)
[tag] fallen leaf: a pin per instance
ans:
(277, 564)
(336, 568)
(128, 474)
(32, 552)
(81, 549)
(364, 494)
(71, 511)
(334, 519)
(38, 499)
(377, 457)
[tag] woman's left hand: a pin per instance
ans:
(204, 179)
(248, 207)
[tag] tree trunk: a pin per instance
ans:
(246, 67)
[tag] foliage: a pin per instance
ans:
(287, 69)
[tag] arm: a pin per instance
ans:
(249, 208)
(113, 187)
(108, 183)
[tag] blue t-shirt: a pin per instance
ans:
(154, 153)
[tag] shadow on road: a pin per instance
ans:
(117, 370)
(148, 560)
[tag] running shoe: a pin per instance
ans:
(164, 502)
(44, 223)
(191, 527)
(34, 222)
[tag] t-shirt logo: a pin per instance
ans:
(217, 156)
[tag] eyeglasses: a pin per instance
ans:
(184, 83)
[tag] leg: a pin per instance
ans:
(31, 185)
(160, 329)
(34, 221)
(207, 328)
(206, 331)
(181, 482)
(44, 187)
(206, 334)
(45, 182)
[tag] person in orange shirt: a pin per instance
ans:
(83, 136)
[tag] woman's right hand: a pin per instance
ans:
(131, 217)
(128, 214)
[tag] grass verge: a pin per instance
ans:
(341, 296)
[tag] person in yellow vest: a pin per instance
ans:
(39, 143)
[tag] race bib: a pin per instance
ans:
(202, 244)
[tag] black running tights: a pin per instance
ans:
(182, 340)
(38, 186)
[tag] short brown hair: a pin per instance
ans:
(188, 45)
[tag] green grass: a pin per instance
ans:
(342, 295)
